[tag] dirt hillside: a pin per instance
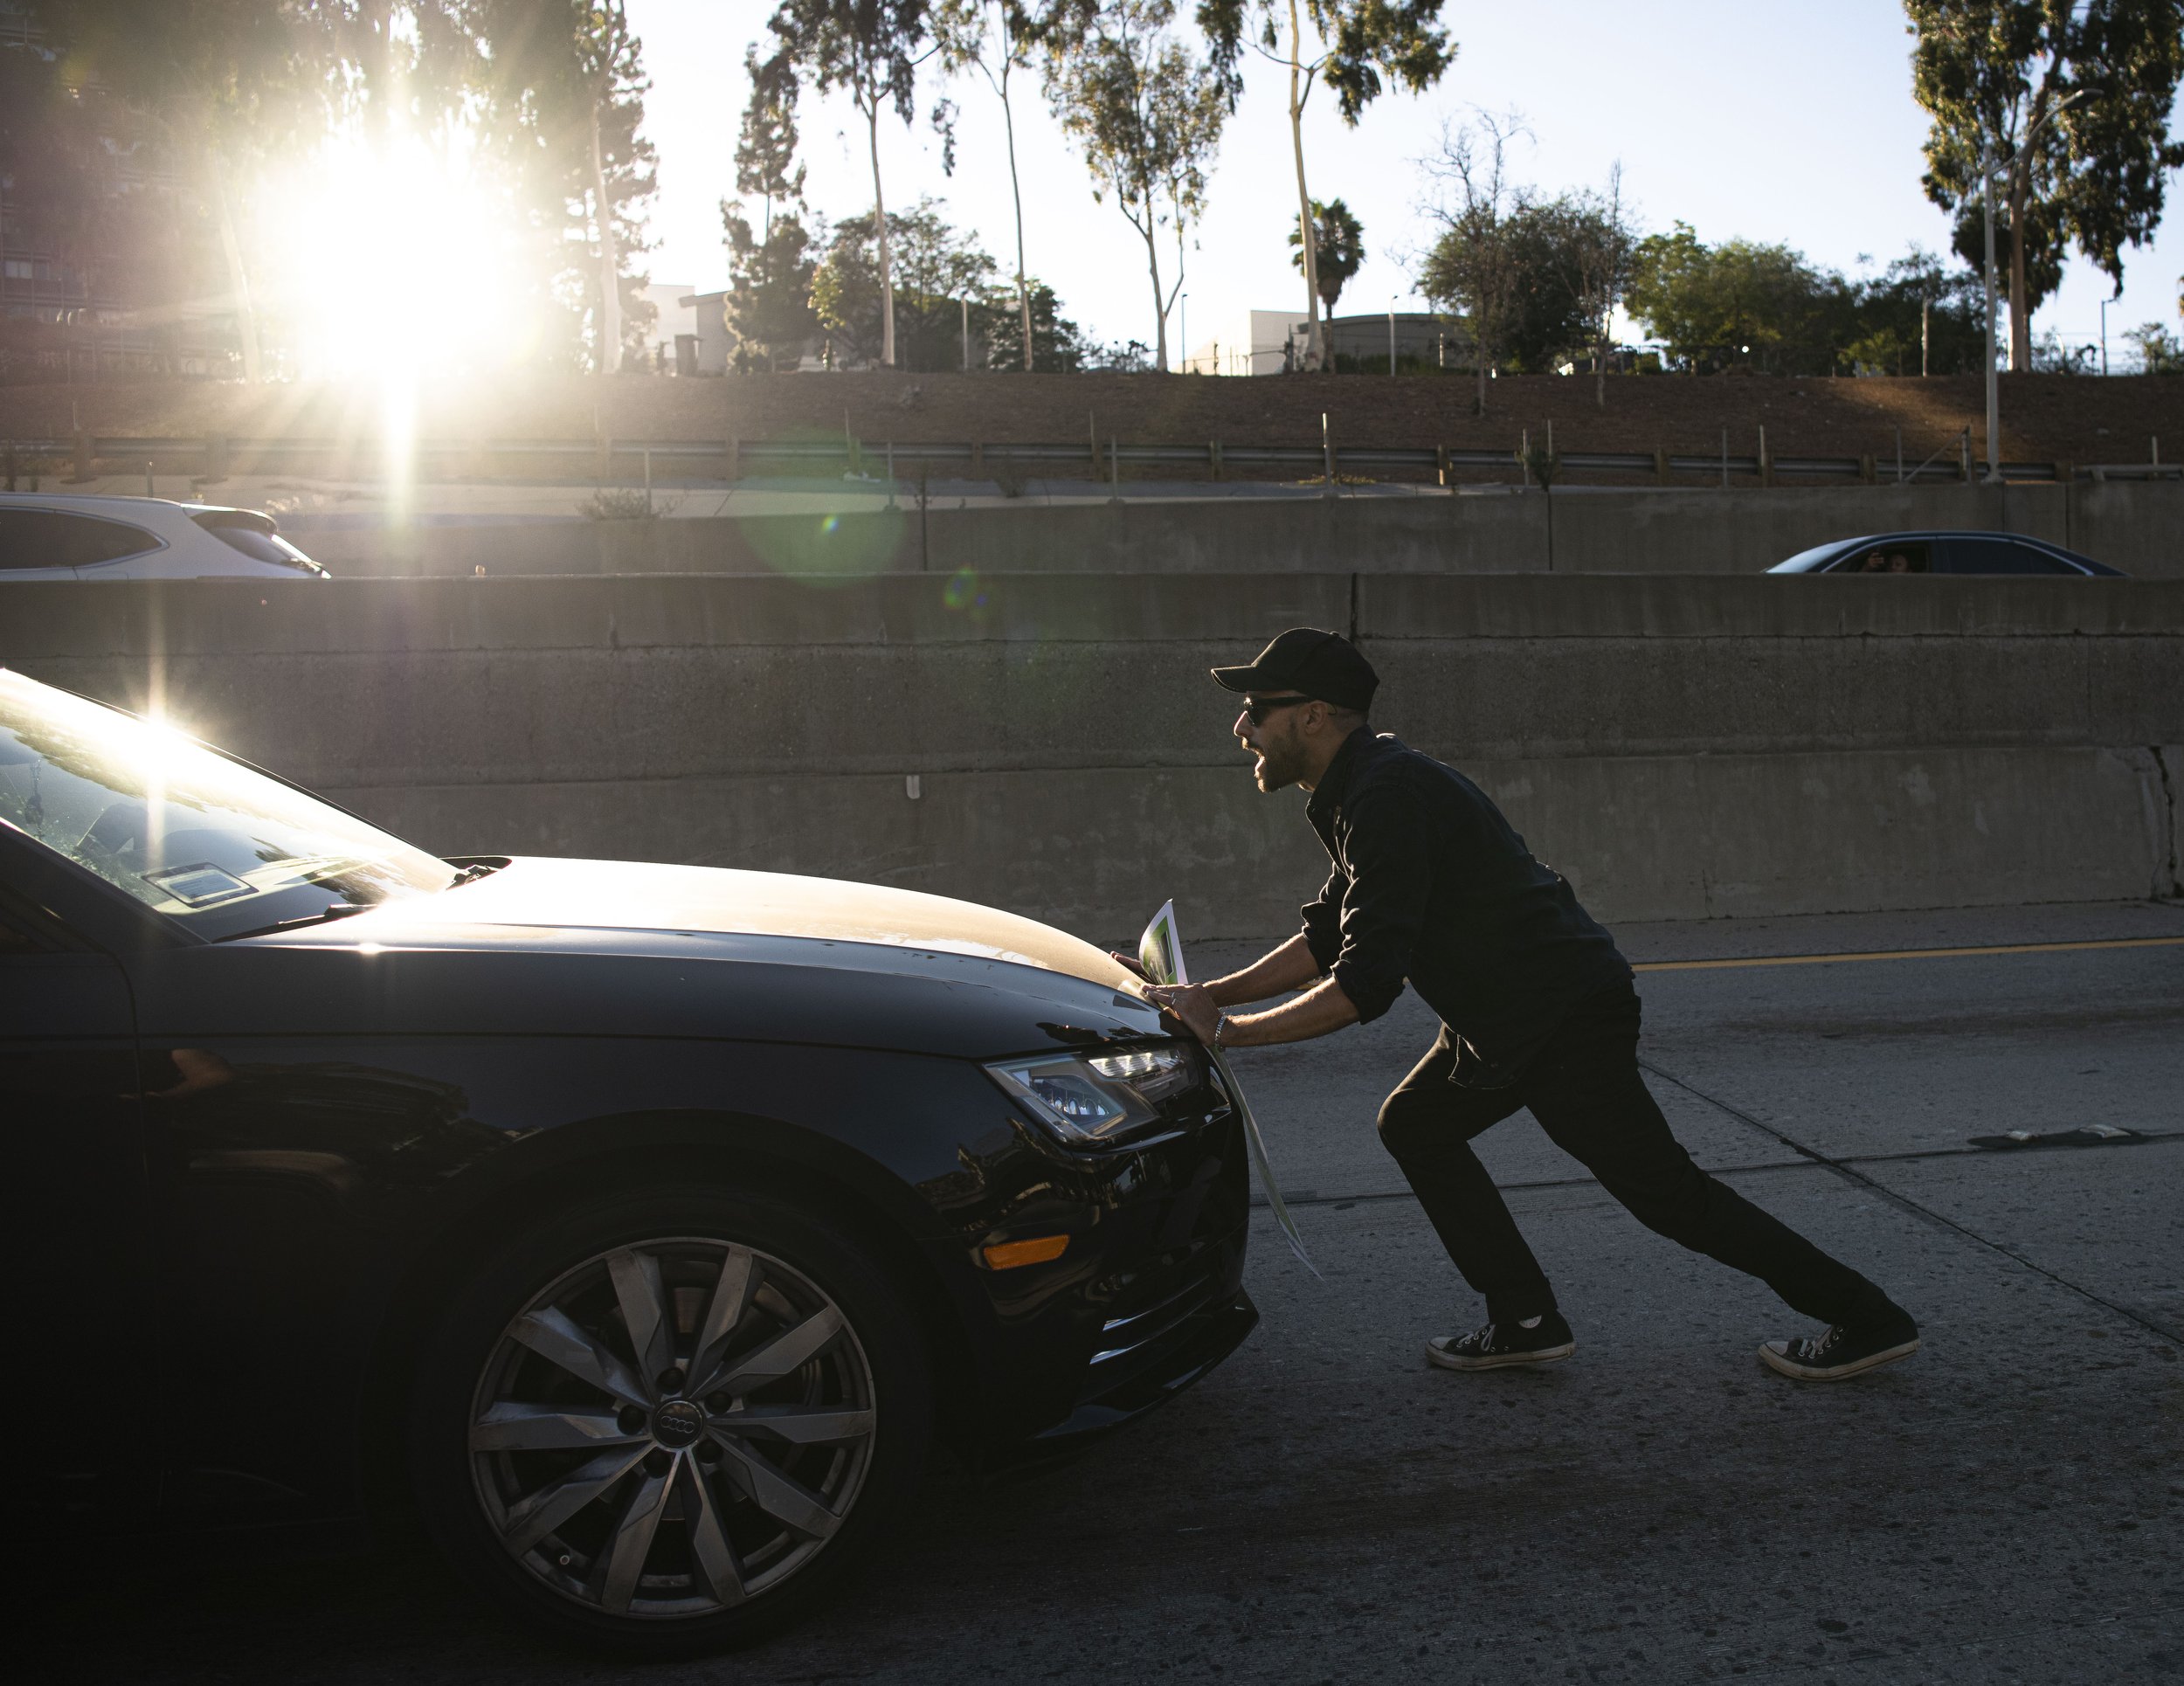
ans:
(2046, 418)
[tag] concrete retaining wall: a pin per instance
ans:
(1679, 747)
(2135, 527)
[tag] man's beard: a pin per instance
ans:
(1284, 765)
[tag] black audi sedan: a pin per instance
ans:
(1940, 552)
(639, 1228)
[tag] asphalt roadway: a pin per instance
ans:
(2007, 1506)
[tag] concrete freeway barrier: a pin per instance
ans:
(2135, 527)
(1680, 746)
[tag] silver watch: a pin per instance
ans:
(1221, 1026)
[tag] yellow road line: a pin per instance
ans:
(1908, 954)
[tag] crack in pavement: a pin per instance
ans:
(1847, 1168)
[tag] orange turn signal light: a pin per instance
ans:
(1006, 1255)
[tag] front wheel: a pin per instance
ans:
(670, 1422)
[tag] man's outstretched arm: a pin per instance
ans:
(1379, 916)
(1320, 1010)
(1289, 967)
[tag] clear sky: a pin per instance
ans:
(1762, 119)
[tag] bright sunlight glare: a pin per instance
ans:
(158, 742)
(396, 260)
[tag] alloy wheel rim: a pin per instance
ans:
(672, 1428)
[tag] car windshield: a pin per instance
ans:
(213, 845)
(1804, 559)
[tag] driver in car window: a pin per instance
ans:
(1877, 563)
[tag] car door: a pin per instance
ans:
(1995, 553)
(82, 1399)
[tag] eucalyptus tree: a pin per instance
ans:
(216, 95)
(609, 56)
(1146, 111)
(557, 99)
(2069, 101)
(1349, 45)
(871, 48)
(997, 38)
(553, 91)
(225, 86)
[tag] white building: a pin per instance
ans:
(1271, 341)
(677, 321)
(716, 340)
(1251, 342)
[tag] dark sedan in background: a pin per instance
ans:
(1933, 552)
(640, 1226)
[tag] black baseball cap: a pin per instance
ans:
(1320, 663)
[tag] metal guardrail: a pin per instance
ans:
(735, 457)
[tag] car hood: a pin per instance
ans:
(538, 894)
(606, 948)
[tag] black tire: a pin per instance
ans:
(847, 1423)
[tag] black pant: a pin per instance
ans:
(1584, 1088)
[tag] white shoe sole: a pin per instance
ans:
(1503, 1361)
(1775, 1356)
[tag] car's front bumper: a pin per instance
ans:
(1127, 1382)
(1148, 1297)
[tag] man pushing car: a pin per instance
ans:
(1430, 885)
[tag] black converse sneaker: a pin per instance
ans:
(1498, 1344)
(1845, 1350)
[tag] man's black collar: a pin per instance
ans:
(1333, 783)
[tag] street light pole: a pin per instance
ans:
(1994, 396)
(1392, 297)
(1187, 333)
(2103, 337)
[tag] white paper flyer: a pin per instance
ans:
(1160, 953)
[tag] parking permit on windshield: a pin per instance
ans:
(1160, 952)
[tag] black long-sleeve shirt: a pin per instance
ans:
(1431, 884)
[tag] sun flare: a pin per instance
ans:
(401, 261)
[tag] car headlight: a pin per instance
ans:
(1097, 1099)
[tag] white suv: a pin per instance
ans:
(43, 538)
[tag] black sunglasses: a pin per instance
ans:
(1258, 707)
